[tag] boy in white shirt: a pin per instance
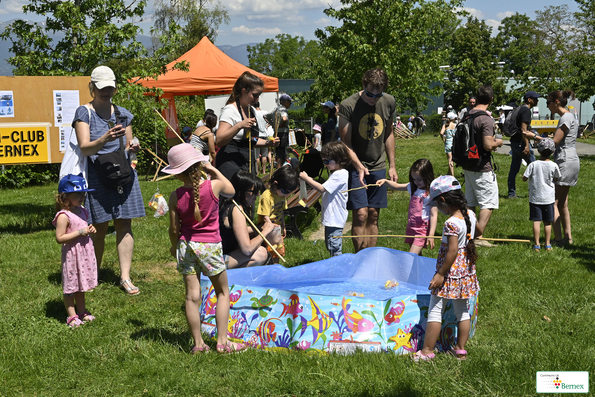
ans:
(336, 158)
(541, 175)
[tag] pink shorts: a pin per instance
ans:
(418, 230)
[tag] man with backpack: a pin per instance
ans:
(517, 127)
(481, 187)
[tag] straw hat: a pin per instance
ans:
(181, 157)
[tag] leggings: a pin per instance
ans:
(461, 307)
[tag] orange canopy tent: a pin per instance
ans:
(211, 72)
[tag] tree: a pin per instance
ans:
(91, 36)
(284, 57)
(474, 60)
(583, 78)
(196, 18)
(408, 39)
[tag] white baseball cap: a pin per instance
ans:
(102, 77)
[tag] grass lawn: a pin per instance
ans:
(139, 345)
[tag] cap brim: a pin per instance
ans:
(102, 84)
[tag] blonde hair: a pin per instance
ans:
(62, 202)
(194, 172)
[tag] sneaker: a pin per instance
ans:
(483, 243)
(514, 196)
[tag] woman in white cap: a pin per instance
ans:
(101, 128)
(447, 134)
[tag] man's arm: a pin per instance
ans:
(345, 133)
(389, 147)
(526, 134)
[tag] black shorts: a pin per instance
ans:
(541, 212)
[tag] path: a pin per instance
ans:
(583, 149)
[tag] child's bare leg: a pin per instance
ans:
(536, 231)
(79, 299)
(548, 232)
(222, 311)
(192, 304)
(415, 249)
(463, 329)
(69, 305)
(431, 337)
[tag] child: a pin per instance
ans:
(455, 276)
(447, 134)
(274, 201)
(423, 214)
(195, 239)
(79, 266)
(541, 175)
(317, 143)
(335, 157)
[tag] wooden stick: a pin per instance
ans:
(361, 187)
(276, 130)
(404, 236)
(249, 145)
(170, 127)
(255, 228)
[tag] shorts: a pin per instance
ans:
(481, 189)
(448, 149)
(372, 197)
(460, 306)
(541, 212)
(333, 245)
(261, 151)
(206, 257)
(417, 230)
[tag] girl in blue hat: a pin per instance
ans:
(79, 266)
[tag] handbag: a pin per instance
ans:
(113, 168)
(74, 161)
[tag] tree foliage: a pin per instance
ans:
(91, 32)
(195, 19)
(284, 57)
(408, 39)
(583, 78)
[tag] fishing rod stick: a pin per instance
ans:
(361, 187)
(435, 237)
(169, 125)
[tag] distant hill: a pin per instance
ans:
(238, 53)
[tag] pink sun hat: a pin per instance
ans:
(181, 157)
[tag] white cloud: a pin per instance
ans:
(12, 6)
(494, 24)
(505, 14)
(275, 6)
(256, 31)
(473, 11)
(263, 17)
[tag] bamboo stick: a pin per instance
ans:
(434, 237)
(169, 125)
(361, 187)
(276, 128)
(257, 230)
(249, 145)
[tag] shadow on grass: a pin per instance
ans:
(403, 390)
(55, 309)
(162, 335)
(106, 275)
(585, 255)
(28, 218)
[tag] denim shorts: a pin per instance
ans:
(333, 245)
(372, 197)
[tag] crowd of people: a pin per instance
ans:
(211, 214)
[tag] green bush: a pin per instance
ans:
(18, 176)
(433, 123)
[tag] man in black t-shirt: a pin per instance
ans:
(519, 143)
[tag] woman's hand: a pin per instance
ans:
(133, 147)
(437, 281)
(267, 228)
(276, 141)
(246, 123)
(114, 133)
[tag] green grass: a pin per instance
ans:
(139, 345)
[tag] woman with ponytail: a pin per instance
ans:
(455, 277)
(237, 127)
(195, 239)
(567, 159)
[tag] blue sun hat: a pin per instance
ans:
(73, 184)
(443, 184)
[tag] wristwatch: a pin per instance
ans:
(534, 136)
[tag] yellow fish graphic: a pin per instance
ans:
(320, 321)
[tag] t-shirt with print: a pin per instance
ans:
(272, 205)
(368, 128)
(524, 116)
(483, 124)
(540, 175)
(334, 202)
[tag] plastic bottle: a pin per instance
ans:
(133, 159)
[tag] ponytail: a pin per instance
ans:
(194, 174)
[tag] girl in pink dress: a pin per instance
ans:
(79, 266)
(455, 277)
(423, 214)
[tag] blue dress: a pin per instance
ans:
(106, 204)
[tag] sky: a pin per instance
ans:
(253, 21)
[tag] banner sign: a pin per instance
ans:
(24, 143)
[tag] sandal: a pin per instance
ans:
(536, 248)
(548, 247)
(129, 287)
(229, 348)
(203, 349)
(419, 356)
(86, 317)
(459, 354)
(74, 321)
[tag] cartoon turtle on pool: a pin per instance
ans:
(265, 301)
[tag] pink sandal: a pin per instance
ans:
(203, 349)
(74, 321)
(459, 354)
(229, 348)
(86, 317)
(419, 356)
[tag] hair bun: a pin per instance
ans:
(568, 94)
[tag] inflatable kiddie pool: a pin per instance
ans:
(335, 305)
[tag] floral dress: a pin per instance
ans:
(461, 280)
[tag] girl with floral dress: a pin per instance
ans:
(455, 277)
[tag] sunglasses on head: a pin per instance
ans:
(373, 95)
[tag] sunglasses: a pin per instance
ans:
(327, 161)
(283, 191)
(251, 191)
(373, 95)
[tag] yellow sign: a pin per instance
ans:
(24, 143)
(544, 123)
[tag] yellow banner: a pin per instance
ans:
(544, 123)
(24, 143)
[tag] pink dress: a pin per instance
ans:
(79, 266)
